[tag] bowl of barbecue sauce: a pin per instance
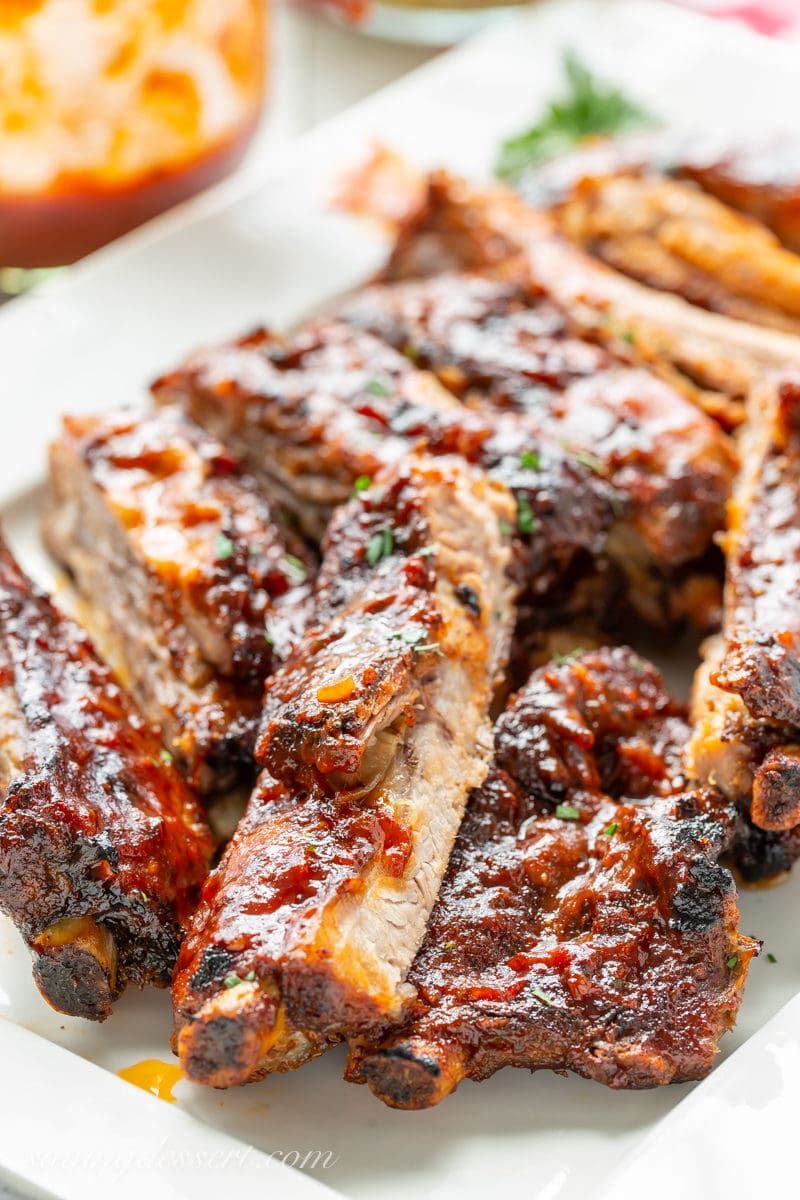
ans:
(113, 110)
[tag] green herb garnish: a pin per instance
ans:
(611, 829)
(295, 568)
(530, 460)
(376, 387)
(771, 958)
(526, 522)
(732, 962)
(361, 484)
(505, 527)
(590, 107)
(563, 659)
(568, 812)
(432, 646)
(591, 461)
(379, 546)
(543, 996)
(412, 636)
(223, 547)
(250, 976)
(232, 980)
(166, 757)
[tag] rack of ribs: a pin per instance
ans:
(102, 844)
(494, 341)
(671, 236)
(372, 736)
(319, 414)
(584, 922)
(615, 466)
(746, 704)
(182, 563)
(448, 224)
(758, 178)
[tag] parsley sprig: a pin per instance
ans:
(589, 107)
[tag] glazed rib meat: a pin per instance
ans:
(759, 178)
(102, 845)
(584, 922)
(746, 705)
(494, 341)
(323, 412)
(607, 461)
(181, 561)
(671, 236)
(372, 736)
(450, 224)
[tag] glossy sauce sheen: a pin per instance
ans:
(96, 825)
(371, 732)
(584, 922)
(201, 563)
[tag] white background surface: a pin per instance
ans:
(270, 252)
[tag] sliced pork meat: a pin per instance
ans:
(102, 844)
(181, 561)
(584, 922)
(747, 695)
(372, 736)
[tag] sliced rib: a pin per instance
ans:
(180, 560)
(374, 734)
(746, 705)
(451, 224)
(102, 845)
(670, 236)
(617, 467)
(584, 923)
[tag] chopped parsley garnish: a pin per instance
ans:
(361, 484)
(530, 460)
(562, 659)
(376, 387)
(591, 461)
(589, 107)
(379, 546)
(526, 522)
(144, 896)
(232, 980)
(732, 962)
(771, 957)
(543, 996)
(568, 812)
(166, 757)
(295, 568)
(223, 547)
(611, 829)
(412, 636)
(434, 647)
(250, 976)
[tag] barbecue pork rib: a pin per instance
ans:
(759, 178)
(372, 736)
(448, 224)
(102, 844)
(746, 705)
(181, 561)
(584, 922)
(670, 236)
(491, 340)
(616, 467)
